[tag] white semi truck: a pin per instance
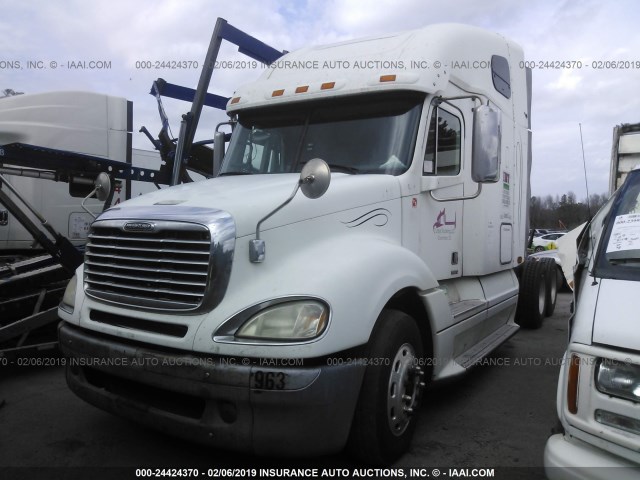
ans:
(236, 313)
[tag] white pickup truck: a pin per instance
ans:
(599, 387)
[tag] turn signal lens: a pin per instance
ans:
(69, 298)
(628, 424)
(572, 385)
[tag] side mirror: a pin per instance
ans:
(218, 151)
(102, 186)
(102, 190)
(219, 140)
(314, 182)
(315, 178)
(487, 134)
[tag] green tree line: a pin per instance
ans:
(563, 212)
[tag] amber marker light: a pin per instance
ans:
(387, 78)
(235, 100)
(303, 89)
(327, 85)
(572, 384)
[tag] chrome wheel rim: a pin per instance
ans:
(404, 389)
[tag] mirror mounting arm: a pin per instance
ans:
(448, 100)
(314, 181)
(257, 246)
(277, 209)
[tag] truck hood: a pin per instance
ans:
(249, 198)
(615, 322)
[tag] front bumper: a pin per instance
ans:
(572, 459)
(262, 407)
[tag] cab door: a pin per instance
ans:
(442, 182)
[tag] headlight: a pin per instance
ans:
(288, 321)
(69, 298)
(618, 379)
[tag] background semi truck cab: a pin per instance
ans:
(254, 318)
(80, 122)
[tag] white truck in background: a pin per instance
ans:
(235, 313)
(625, 153)
(80, 122)
(57, 151)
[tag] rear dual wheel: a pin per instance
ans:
(538, 292)
(552, 286)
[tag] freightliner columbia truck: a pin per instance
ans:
(365, 238)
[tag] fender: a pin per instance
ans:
(74, 316)
(355, 274)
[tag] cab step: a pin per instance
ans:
(486, 346)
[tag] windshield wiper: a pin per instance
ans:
(343, 168)
(222, 174)
(619, 261)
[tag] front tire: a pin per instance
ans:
(385, 416)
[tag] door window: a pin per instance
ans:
(442, 156)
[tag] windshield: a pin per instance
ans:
(619, 250)
(361, 134)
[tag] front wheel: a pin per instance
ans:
(385, 416)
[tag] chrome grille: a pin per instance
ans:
(167, 268)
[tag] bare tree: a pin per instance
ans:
(565, 212)
(9, 92)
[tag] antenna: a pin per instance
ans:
(584, 164)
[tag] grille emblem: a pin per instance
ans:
(139, 227)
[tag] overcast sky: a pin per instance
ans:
(123, 32)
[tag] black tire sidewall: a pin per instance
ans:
(394, 329)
